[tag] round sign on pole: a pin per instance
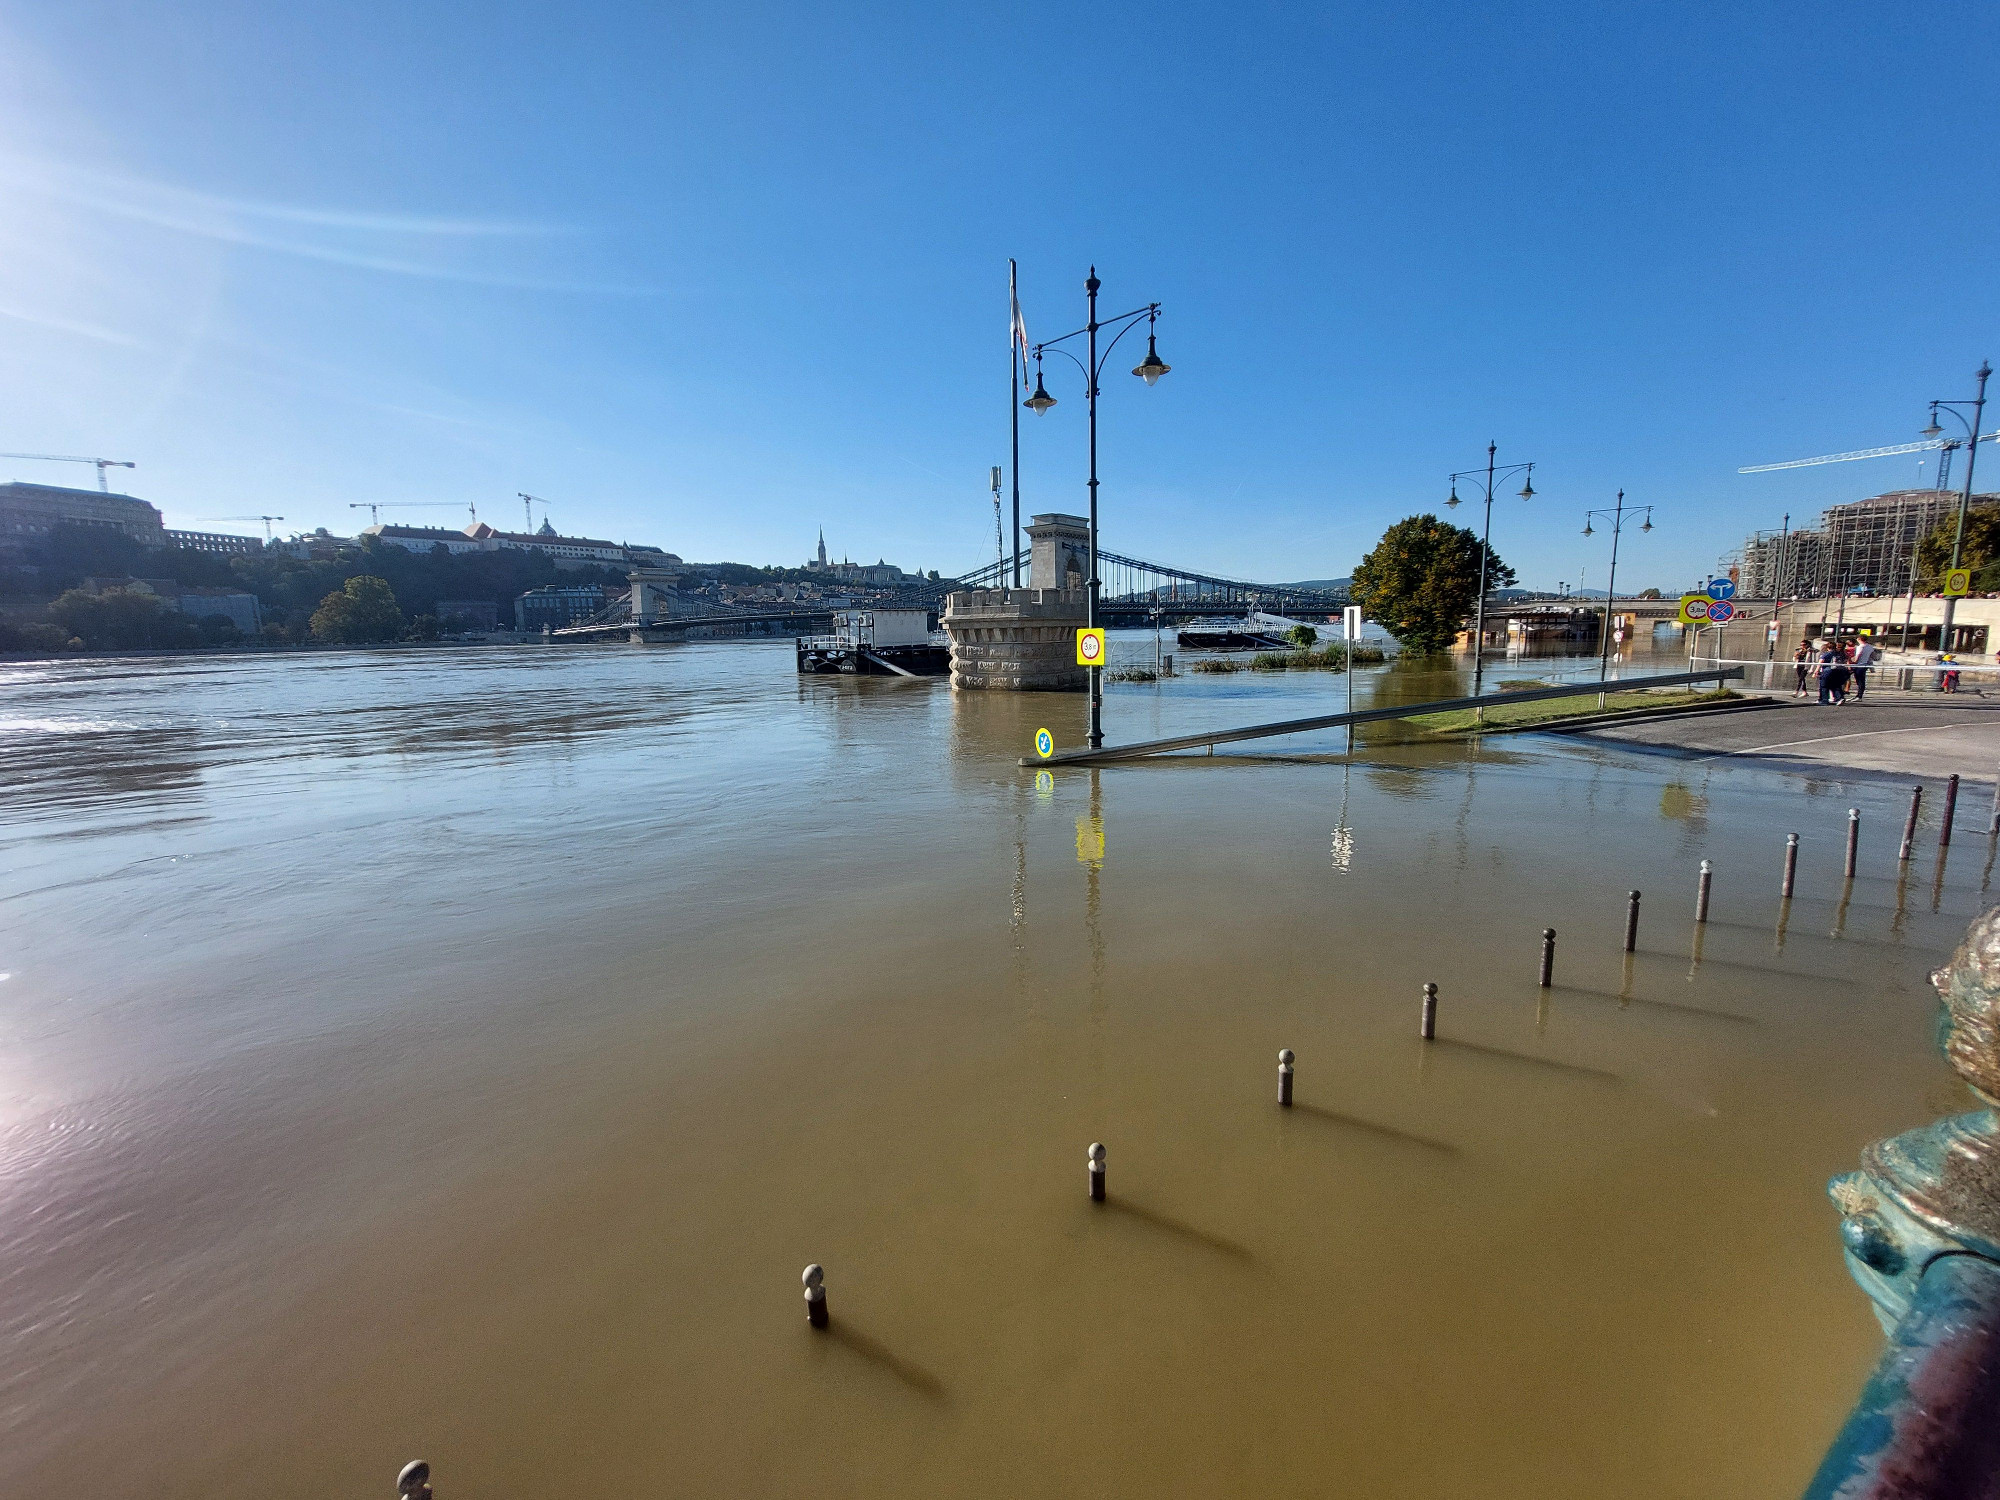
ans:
(1721, 588)
(1721, 612)
(1957, 583)
(1045, 743)
(1694, 608)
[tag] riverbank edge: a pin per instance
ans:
(1589, 718)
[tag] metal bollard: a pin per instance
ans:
(1096, 1171)
(415, 1481)
(1428, 1028)
(1548, 956)
(1853, 838)
(1285, 1061)
(1701, 891)
(1910, 824)
(1993, 823)
(1632, 925)
(1950, 808)
(1791, 865)
(815, 1280)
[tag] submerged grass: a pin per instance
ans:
(1554, 710)
(1331, 658)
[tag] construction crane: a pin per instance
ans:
(103, 484)
(528, 504)
(375, 507)
(267, 520)
(1946, 445)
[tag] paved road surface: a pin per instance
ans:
(1923, 734)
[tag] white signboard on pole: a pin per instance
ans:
(1350, 623)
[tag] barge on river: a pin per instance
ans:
(1251, 633)
(877, 643)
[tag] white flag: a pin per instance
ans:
(1017, 329)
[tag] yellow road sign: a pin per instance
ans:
(1694, 609)
(1045, 743)
(1090, 648)
(1957, 582)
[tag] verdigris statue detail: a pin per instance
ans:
(1921, 1225)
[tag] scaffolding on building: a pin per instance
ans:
(1863, 547)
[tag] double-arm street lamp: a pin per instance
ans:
(1149, 370)
(1490, 475)
(1618, 516)
(1978, 405)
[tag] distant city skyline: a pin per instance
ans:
(707, 279)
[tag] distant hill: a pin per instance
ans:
(1319, 583)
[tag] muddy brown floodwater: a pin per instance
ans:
(459, 1054)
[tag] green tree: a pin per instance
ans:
(1422, 580)
(1647, 594)
(122, 620)
(360, 611)
(1980, 552)
(1303, 636)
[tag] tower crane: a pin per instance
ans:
(375, 507)
(528, 504)
(1947, 447)
(267, 520)
(103, 484)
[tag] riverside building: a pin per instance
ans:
(29, 512)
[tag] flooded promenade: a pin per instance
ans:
(458, 1055)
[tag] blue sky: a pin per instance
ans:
(712, 276)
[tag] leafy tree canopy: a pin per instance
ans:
(360, 612)
(1422, 580)
(122, 620)
(1981, 551)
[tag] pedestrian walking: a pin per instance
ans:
(1949, 682)
(1864, 658)
(1837, 677)
(1801, 664)
(1827, 657)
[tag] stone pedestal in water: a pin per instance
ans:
(1024, 640)
(1016, 640)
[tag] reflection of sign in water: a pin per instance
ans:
(1090, 841)
(1721, 612)
(1694, 609)
(1045, 784)
(1343, 849)
(1957, 582)
(1045, 743)
(1090, 648)
(1720, 588)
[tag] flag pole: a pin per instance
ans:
(1015, 354)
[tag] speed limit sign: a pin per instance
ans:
(1090, 648)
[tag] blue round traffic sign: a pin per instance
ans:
(1045, 743)
(1721, 588)
(1721, 612)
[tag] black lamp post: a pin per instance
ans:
(1618, 517)
(1490, 475)
(1149, 370)
(1978, 405)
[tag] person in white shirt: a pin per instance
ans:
(1864, 658)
